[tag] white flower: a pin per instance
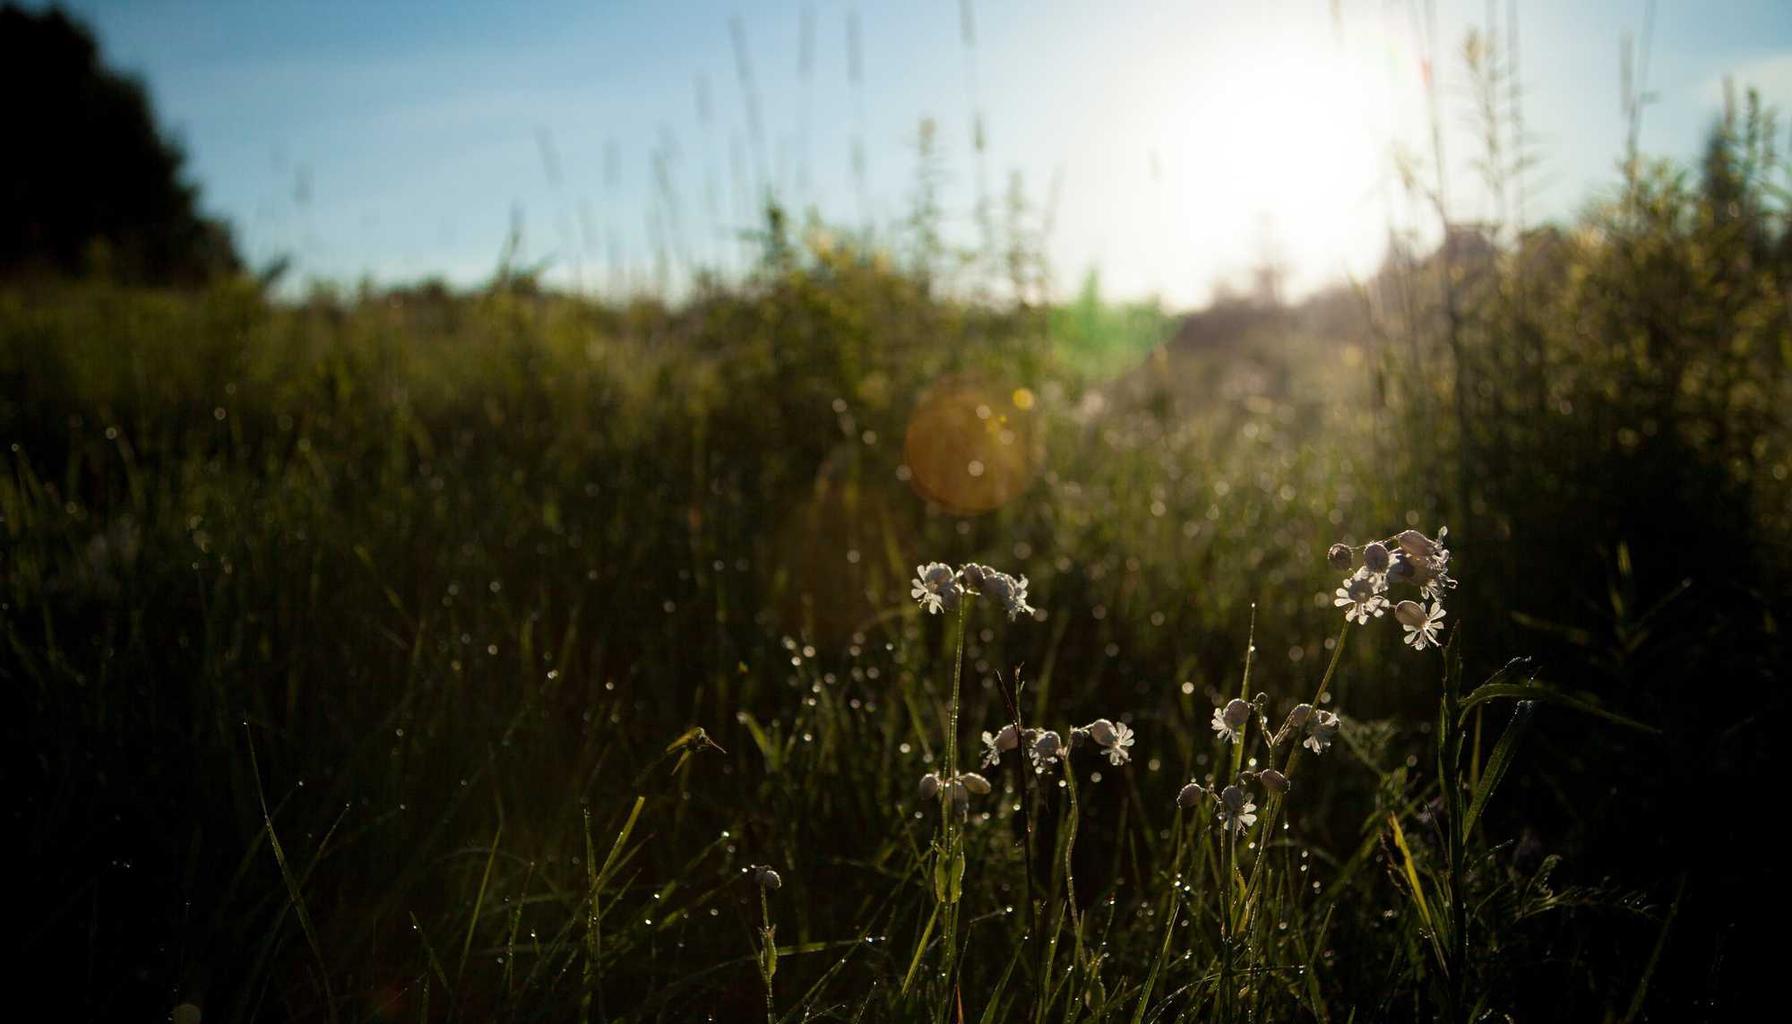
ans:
(994, 746)
(1009, 590)
(933, 585)
(1360, 597)
(1293, 725)
(1045, 750)
(1229, 721)
(1118, 754)
(1320, 730)
(1236, 811)
(1421, 626)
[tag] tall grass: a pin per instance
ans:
(411, 655)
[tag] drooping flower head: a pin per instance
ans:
(1010, 590)
(999, 743)
(1321, 728)
(1295, 723)
(1191, 795)
(1236, 811)
(1421, 626)
(1229, 721)
(1045, 748)
(765, 877)
(933, 586)
(1119, 743)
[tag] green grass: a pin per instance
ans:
(359, 645)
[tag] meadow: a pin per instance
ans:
(419, 654)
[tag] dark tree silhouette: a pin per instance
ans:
(90, 185)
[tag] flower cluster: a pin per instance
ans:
(1407, 559)
(937, 587)
(1046, 748)
(1234, 808)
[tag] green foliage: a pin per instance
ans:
(350, 631)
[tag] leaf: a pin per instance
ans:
(1582, 702)
(948, 875)
(1412, 873)
(1498, 763)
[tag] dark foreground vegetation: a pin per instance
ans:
(418, 655)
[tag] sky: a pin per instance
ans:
(1170, 146)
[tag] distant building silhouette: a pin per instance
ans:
(89, 185)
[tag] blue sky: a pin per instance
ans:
(1173, 142)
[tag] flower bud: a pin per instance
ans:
(930, 786)
(1339, 556)
(1234, 797)
(1376, 557)
(1191, 795)
(975, 783)
(1418, 545)
(1297, 717)
(973, 575)
(766, 877)
(939, 574)
(1101, 731)
(1273, 780)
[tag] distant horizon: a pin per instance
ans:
(396, 143)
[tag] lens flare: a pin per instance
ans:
(972, 447)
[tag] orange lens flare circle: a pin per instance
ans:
(972, 446)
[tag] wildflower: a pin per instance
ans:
(930, 785)
(1274, 781)
(1009, 590)
(1320, 730)
(1229, 721)
(1101, 731)
(1339, 556)
(1428, 563)
(1360, 597)
(1045, 750)
(1191, 795)
(1421, 626)
(975, 783)
(973, 575)
(933, 584)
(1118, 754)
(1236, 811)
(1294, 723)
(994, 746)
(765, 876)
